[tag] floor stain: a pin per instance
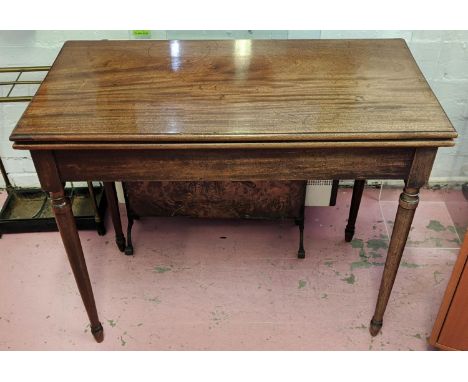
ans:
(362, 326)
(435, 225)
(350, 279)
(155, 300)
(160, 269)
(219, 316)
(437, 241)
(437, 279)
(376, 244)
(357, 243)
(360, 264)
(409, 265)
(451, 228)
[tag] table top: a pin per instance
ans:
(233, 91)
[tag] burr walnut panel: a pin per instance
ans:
(260, 199)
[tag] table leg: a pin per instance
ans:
(130, 219)
(100, 228)
(301, 252)
(409, 200)
(113, 204)
(354, 209)
(300, 222)
(71, 241)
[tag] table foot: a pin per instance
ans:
(349, 233)
(375, 327)
(129, 250)
(98, 333)
(120, 241)
(100, 228)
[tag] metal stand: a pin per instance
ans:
(28, 210)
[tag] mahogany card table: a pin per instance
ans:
(233, 110)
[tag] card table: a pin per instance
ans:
(232, 110)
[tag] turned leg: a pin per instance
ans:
(71, 241)
(354, 209)
(113, 204)
(409, 200)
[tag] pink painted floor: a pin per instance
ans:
(201, 284)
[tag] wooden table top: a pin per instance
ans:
(233, 91)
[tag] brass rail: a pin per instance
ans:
(20, 70)
(10, 189)
(16, 99)
(15, 69)
(19, 82)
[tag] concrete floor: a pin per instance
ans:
(205, 284)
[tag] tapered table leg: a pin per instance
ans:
(113, 203)
(67, 227)
(354, 209)
(409, 200)
(300, 223)
(101, 230)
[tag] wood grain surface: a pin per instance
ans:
(228, 165)
(233, 91)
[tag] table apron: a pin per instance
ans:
(234, 164)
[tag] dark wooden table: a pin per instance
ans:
(233, 110)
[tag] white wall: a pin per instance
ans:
(441, 55)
